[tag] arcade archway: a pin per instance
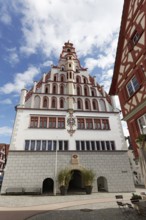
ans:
(102, 184)
(48, 185)
(76, 183)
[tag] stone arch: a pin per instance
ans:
(78, 79)
(87, 104)
(93, 92)
(79, 104)
(61, 89)
(61, 102)
(85, 80)
(102, 105)
(54, 89)
(76, 183)
(45, 102)
(95, 104)
(86, 91)
(79, 90)
(47, 186)
(62, 78)
(37, 101)
(102, 185)
(54, 102)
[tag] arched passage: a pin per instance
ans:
(76, 183)
(48, 185)
(102, 184)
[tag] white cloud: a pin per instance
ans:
(12, 56)
(47, 63)
(5, 16)
(21, 80)
(5, 131)
(6, 102)
(47, 24)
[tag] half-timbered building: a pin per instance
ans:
(129, 79)
(67, 121)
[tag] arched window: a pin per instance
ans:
(78, 79)
(95, 104)
(85, 80)
(86, 91)
(102, 105)
(61, 103)
(87, 104)
(62, 78)
(93, 93)
(79, 104)
(62, 89)
(68, 50)
(45, 102)
(37, 101)
(70, 75)
(79, 90)
(54, 90)
(77, 69)
(62, 68)
(46, 90)
(54, 103)
(55, 78)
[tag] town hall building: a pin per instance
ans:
(67, 120)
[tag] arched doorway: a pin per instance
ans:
(48, 185)
(76, 183)
(102, 184)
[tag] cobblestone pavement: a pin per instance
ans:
(99, 206)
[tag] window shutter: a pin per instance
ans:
(123, 96)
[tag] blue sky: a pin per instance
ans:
(32, 33)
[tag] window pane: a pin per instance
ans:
(27, 145)
(52, 122)
(130, 89)
(44, 145)
(93, 145)
(103, 145)
(49, 145)
(60, 145)
(88, 145)
(82, 145)
(38, 145)
(113, 145)
(135, 83)
(32, 147)
(98, 145)
(43, 122)
(54, 145)
(108, 145)
(65, 145)
(97, 124)
(81, 123)
(61, 122)
(34, 122)
(89, 124)
(77, 145)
